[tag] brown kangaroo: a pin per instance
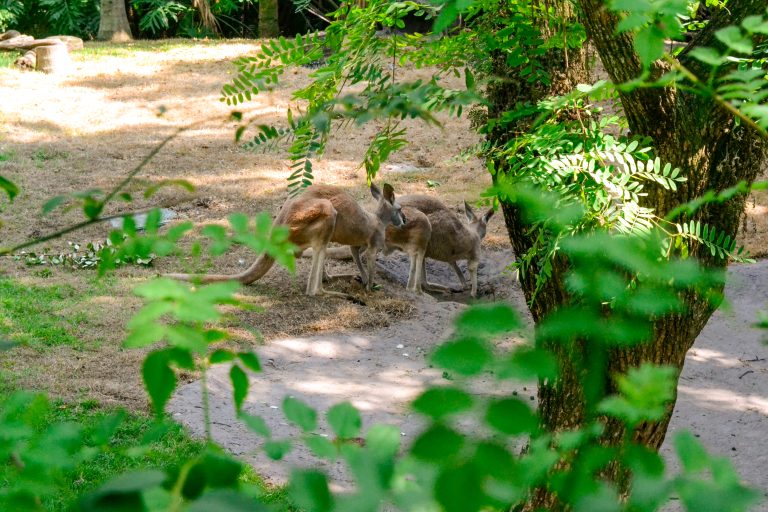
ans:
(451, 240)
(412, 239)
(320, 215)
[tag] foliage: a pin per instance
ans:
(89, 256)
(10, 12)
(113, 442)
(48, 17)
(350, 53)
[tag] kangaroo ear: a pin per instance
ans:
(389, 193)
(488, 215)
(375, 192)
(469, 212)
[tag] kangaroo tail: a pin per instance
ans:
(249, 275)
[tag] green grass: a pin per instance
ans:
(138, 443)
(170, 449)
(31, 315)
(108, 49)
(7, 58)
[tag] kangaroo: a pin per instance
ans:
(320, 215)
(412, 239)
(451, 240)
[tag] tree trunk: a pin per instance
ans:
(692, 133)
(268, 22)
(113, 25)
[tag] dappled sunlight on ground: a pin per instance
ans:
(719, 399)
(703, 355)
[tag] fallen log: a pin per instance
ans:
(25, 43)
(73, 43)
(28, 61)
(9, 35)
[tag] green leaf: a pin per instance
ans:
(276, 450)
(321, 446)
(51, 204)
(649, 44)
(221, 356)
(189, 187)
(460, 489)
(527, 363)
(755, 24)
(159, 379)
(438, 444)
(345, 420)
(226, 500)
(693, 456)
(300, 413)
(438, 403)
(255, 424)
(708, 56)
(467, 356)
(239, 386)
(187, 338)
(512, 416)
(383, 441)
(731, 37)
(309, 490)
(9, 187)
(489, 319)
(250, 360)
(144, 335)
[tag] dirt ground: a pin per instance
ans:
(88, 128)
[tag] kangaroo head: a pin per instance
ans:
(478, 225)
(388, 210)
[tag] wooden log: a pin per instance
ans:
(73, 43)
(52, 58)
(24, 43)
(27, 61)
(9, 35)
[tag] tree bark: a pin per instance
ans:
(268, 21)
(692, 133)
(113, 24)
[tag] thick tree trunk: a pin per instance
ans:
(113, 25)
(713, 152)
(268, 22)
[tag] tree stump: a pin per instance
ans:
(53, 58)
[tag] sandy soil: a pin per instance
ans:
(723, 392)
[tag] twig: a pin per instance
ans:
(746, 373)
